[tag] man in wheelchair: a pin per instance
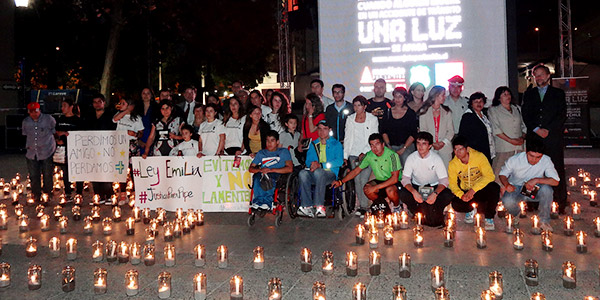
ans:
(324, 158)
(386, 167)
(267, 166)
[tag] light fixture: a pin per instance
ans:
(21, 3)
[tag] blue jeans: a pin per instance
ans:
(261, 196)
(36, 169)
(320, 178)
(544, 197)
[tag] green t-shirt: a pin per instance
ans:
(383, 165)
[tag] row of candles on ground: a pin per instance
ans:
(438, 282)
(586, 189)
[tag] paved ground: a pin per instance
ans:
(465, 266)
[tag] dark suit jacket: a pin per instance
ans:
(548, 114)
(179, 110)
(473, 129)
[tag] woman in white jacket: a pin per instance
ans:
(359, 126)
(436, 119)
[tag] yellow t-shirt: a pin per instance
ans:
(476, 174)
(255, 143)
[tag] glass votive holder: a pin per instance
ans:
(418, 239)
(123, 252)
(373, 239)
(87, 225)
(150, 236)
(132, 283)
(399, 292)
(63, 224)
(135, 253)
(236, 288)
(597, 226)
(496, 285)
(164, 285)
(71, 248)
(538, 296)
(4, 275)
(374, 263)
(97, 251)
(107, 224)
(274, 289)
(34, 277)
(522, 209)
(531, 272)
(359, 291)
(200, 255)
(169, 255)
(581, 242)
(95, 214)
(554, 210)
(23, 223)
(199, 217)
(569, 275)
(547, 241)
(68, 279)
(448, 237)
(100, 281)
(360, 234)
(130, 226)
(351, 263)
(388, 235)
(518, 239)
(31, 247)
(200, 286)
(481, 238)
(146, 215)
(305, 260)
(319, 291)
(76, 213)
(437, 278)
(259, 258)
(149, 255)
(404, 265)
(327, 266)
(111, 251)
(222, 257)
(442, 294)
(535, 225)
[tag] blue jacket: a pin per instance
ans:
(334, 152)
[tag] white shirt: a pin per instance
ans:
(356, 138)
(234, 132)
(428, 170)
(189, 119)
(125, 123)
(272, 120)
(518, 170)
(187, 148)
(265, 110)
(210, 134)
(457, 108)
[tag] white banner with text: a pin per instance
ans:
(211, 183)
(100, 156)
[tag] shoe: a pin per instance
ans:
(546, 227)
(469, 216)
(489, 224)
(265, 206)
(321, 212)
(397, 209)
(360, 212)
(305, 212)
(254, 206)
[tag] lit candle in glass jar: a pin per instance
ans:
(116, 214)
(222, 257)
(327, 265)
(448, 237)
(87, 225)
(149, 257)
(305, 260)
(63, 224)
(403, 220)
(200, 252)
(39, 211)
(111, 251)
(487, 295)
(71, 249)
(191, 217)
(168, 232)
(399, 292)
(185, 226)
(259, 258)
(76, 213)
(130, 226)
(146, 215)
(373, 239)
(389, 220)
(572, 181)
(200, 286)
(388, 235)
(19, 210)
(34, 277)
(360, 234)
(593, 201)
(123, 252)
(100, 281)
(96, 199)
(164, 285)
(3, 221)
(54, 247)
(547, 241)
(374, 263)
(132, 284)
(496, 285)
(523, 207)
(501, 210)
(478, 221)
(569, 226)
(95, 213)
(319, 291)
(154, 223)
(23, 223)
(569, 275)
(199, 217)
(418, 237)
(581, 243)
(78, 199)
(150, 234)
(236, 288)
(169, 255)
(518, 239)
(359, 291)
(44, 198)
(135, 255)
(161, 215)
(114, 199)
(274, 289)
(396, 221)
(535, 225)
(136, 214)
(107, 226)
(4, 275)
(179, 213)
(481, 239)
(419, 219)
(351, 263)
(597, 226)
(62, 200)
(31, 247)
(404, 265)
(576, 210)
(531, 272)
(68, 279)
(97, 251)
(437, 278)
(380, 220)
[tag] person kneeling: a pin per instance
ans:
(386, 167)
(530, 176)
(270, 163)
(324, 158)
(425, 179)
(472, 183)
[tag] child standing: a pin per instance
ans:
(127, 120)
(289, 137)
(188, 147)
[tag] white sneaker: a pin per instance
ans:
(265, 206)
(254, 206)
(489, 225)
(469, 216)
(321, 212)
(305, 212)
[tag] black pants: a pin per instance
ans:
(486, 199)
(433, 213)
(103, 189)
(78, 185)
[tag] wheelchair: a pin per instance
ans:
(339, 202)
(279, 202)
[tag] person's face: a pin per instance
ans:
(423, 147)
(276, 103)
(308, 106)
(146, 95)
(379, 89)
(255, 99)
(234, 106)
(338, 94)
(359, 108)
(165, 110)
(418, 92)
(316, 88)
(292, 124)
(477, 105)
(377, 147)
(455, 90)
(66, 108)
(189, 95)
(460, 151)
(209, 112)
(164, 95)
(439, 100)
(505, 98)
(198, 113)
(243, 97)
(122, 105)
(541, 77)
(533, 157)
(323, 131)
(186, 134)
(398, 99)
(212, 99)
(236, 87)
(256, 115)
(272, 143)
(34, 113)
(269, 94)
(98, 104)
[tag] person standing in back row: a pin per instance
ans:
(379, 105)
(457, 103)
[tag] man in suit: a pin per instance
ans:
(544, 113)
(186, 108)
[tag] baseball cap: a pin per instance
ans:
(33, 106)
(456, 80)
(324, 122)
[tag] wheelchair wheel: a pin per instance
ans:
(251, 220)
(348, 196)
(339, 213)
(278, 218)
(291, 195)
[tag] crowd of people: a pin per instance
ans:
(423, 151)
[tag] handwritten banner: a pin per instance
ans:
(210, 183)
(100, 156)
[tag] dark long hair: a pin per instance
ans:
(284, 109)
(228, 112)
(411, 89)
(499, 91)
(316, 103)
(402, 91)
